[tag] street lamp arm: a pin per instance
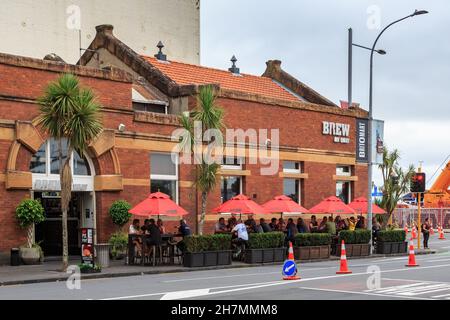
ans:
(385, 28)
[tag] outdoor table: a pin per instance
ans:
(167, 238)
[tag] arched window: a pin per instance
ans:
(46, 159)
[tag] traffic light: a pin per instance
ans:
(418, 183)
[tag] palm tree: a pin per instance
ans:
(69, 113)
(211, 117)
(396, 181)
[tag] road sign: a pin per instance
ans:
(289, 268)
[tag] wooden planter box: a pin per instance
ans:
(206, 259)
(354, 250)
(265, 255)
(391, 247)
(312, 252)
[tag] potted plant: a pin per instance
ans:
(310, 246)
(265, 247)
(119, 240)
(356, 242)
(86, 268)
(207, 250)
(29, 213)
(119, 243)
(391, 242)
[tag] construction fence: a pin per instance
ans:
(437, 216)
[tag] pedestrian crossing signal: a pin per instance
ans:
(418, 183)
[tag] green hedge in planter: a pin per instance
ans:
(213, 242)
(266, 240)
(312, 239)
(391, 236)
(361, 236)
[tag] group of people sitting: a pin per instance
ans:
(153, 230)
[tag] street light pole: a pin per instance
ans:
(370, 169)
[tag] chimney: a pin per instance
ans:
(105, 28)
(160, 56)
(233, 68)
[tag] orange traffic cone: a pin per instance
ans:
(431, 230)
(441, 234)
(289, 266)
(414, 233)
(412, 257)
(406, 230)
(344, 267)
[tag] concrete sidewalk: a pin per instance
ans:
(50, 270)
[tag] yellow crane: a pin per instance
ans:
(439, 194)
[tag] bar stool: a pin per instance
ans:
(157, 249)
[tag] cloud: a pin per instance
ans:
(410, 83)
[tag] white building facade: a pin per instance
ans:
(36, 28)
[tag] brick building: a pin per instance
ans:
(142, 98)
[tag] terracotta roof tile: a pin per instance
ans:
(183, 73)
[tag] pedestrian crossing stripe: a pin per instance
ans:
(415, 289)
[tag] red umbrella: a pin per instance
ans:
(332, 205)
(283, 204)
(240, 204)
(360, 206)
(158, 204)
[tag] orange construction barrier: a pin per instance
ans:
(412, 256)
(289, 266)
(343, 267)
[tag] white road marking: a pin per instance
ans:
(363, 293)
(250, 286)
(441, 296)
(439, 260)
(185, 294)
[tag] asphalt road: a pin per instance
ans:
(382, 278)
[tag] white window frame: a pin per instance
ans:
(167, 177)
(240, 185)
(344, 174)
(299, 170)
(299, 188)
(77, 179)
(349, 189)
(231, 166)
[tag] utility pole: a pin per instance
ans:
(419, 211)
(350, 65)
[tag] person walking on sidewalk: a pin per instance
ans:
(426, 232)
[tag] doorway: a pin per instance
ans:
(49, 232)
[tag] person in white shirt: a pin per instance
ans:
(135, 230)
(241, 230)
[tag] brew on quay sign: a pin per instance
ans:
(339, 131)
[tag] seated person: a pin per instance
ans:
(273, 224)
(251, 224)
(221, 227)
(301, 226)
(265, 227)
(313, 225)
(144, 228)
(281, 226)
(134, 230)
(240, 236)
(231, 224)
(330, 226)
(161, 227)
(351, 224)
(323, 225)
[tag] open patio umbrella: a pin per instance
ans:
(158, 204)
(281, 204)
(240, 204)
(332, 205)
(360, 206)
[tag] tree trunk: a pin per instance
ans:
(202, 217)
(30, 236)
(66, 193)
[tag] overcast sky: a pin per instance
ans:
(411, 82)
